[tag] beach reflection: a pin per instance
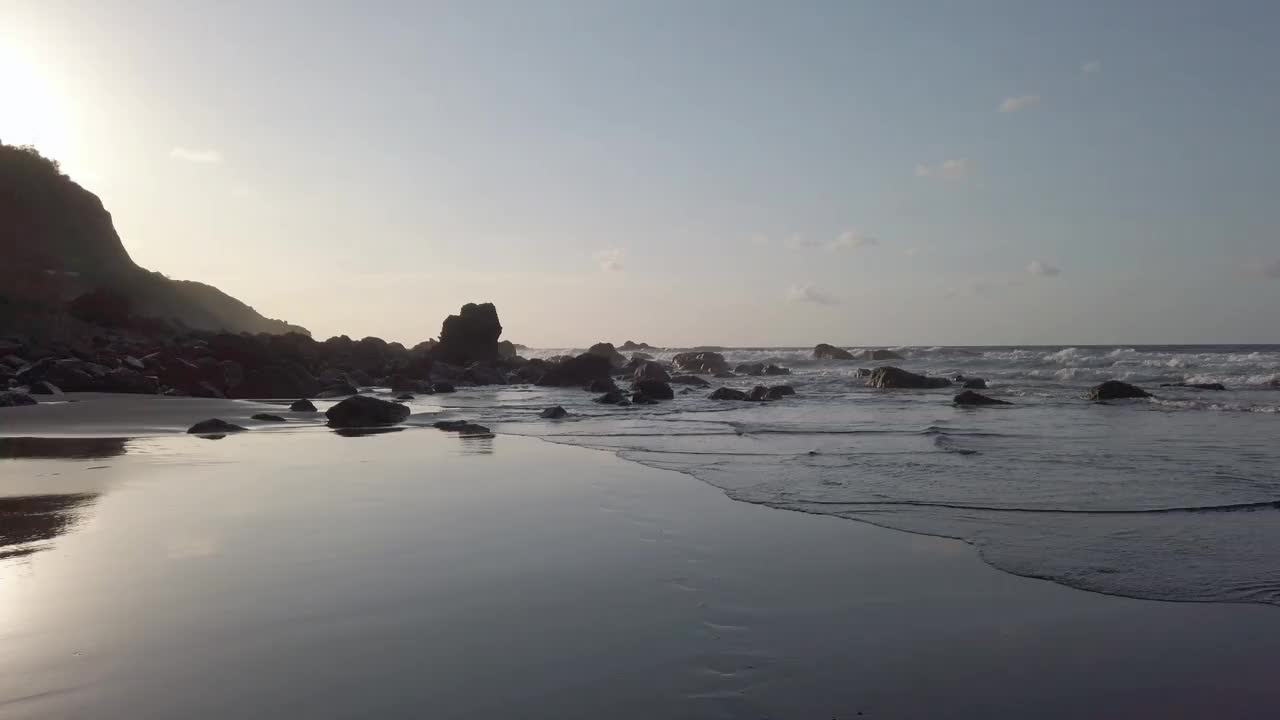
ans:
(54, 448)
(28, 524)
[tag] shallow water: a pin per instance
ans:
(1175, 498)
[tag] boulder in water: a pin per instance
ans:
(214, 426)
(892, 377)
(645, 390)
(266, 417)
(613, 397)
(470, 336)
(776, 370)
(463, 427)
(608, 352)
(405, 397)
(443, 387)
(727, 394)
(302, 405)
(364, 411)
(750, 369)
(969, 397)
(975, 384)
(649, 370)
(1116, 390)
(702, 363)
(689, 380)
(578, 371)
(1189, 386)
(553, 413)
(823, 351)
(602, 386)
(877, 355)
(628, 346)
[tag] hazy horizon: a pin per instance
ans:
(736, 174)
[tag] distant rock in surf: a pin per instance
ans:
(1196, 386)
(1116, 390)
(974, 384)
(759, 368)
(443, 387)
(630, 346)
(302, 405)
(578, 371)
(689, 380)
(553, 413)
(214, 426)
(969, 397)
(727, 394)
(365, 411)
(644, 390)
(823, 351)
(405, 397)
(470, 336)
(877, 355)
(612, 397)
(702, 363)
(602, 386)
(650, 370)
(266, 417)
(463, 427)
(897, 378)
(760, 393)
(609, 352)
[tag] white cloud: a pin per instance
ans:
(956, 169)
(852, 239)
(1043, 269)
(1022, 102)
(610, 260)
(810, 294)
(1091, 67)
(204, 156)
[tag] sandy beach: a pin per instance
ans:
(299, 573)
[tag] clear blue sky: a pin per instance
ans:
(683, 172)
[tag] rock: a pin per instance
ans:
(342, 389)
(641, 356)
(214, 426)
(485, 374)
(602, 386)
(628, 346)
(401, 383)
(864, 372)
(404, 397)
(969, 397)
(507, 350)
(724, 375)
(649, 370)
(974, 384)
(758, 393)
(613, 397)
(463, 427)
(13, 398)
(751, 369)
(651, 390)
(777, 392)
(823, 351)
(44, 388)
(701, 363)
(359, 378)
(302, 405)
(892, 377)
(266, 417)
(278, 381)
(365, 411)
(727, 394)
(553, 413)
(1189, 386)
(578, 371)
(689, 380)
(607, 351)
(776, 370)
(443, 387)
(1116, 390)
(877, 355)
(470, 336)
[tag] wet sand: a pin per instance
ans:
(299, 573)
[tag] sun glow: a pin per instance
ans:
(31, 111)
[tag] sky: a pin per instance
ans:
(732, 173)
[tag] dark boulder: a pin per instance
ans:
(553, 413)
(302, 405)
(823, 351)
(214, 426)
(630, 345)
(13, 398)
(365, 411)
(651, 390)
(969, 397)
(864, 372)
(702, 363)
(485, 374)
(652, 371)
(727, 394)
(266, 417)
(609, 352)
(470, 336)
(751, 369)
(443, 387)
(280, 381)
(340, 389)
(404, 397)
(506, 350)
(892, 377)
(974, 384)
(463, 427)
(1116, 390)
(401, 383)
(578, 371)
(689, 380)
(613, 397)
(877, 355)
(776, 370)
(602, 386)
(44, 388)
(777, 392)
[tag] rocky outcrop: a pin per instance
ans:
(877, 355)
(1116, 390)
(688, 380)
(462, 427)
(701, 363)
(279, 381)
(727, 394)
(630, 346)
(969, 397)
(302, 405)
(470, 336)
(553, 413)
(609, 352)
(13, 398)
(266, 417)
(75, 375)
(760, 393)
(650, 370)
(823, 351)
(579, 371)
(892, 377)
(643, 390)
(613, 397)
(360, 411)
(214, 426)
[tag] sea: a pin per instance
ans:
(1173, 498)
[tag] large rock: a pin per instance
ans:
(650, 370)
(760, 393)
(579, 371)
(13, 398)
(606, 350)
(629, 346)
(283, 381)
(651, 390)
(877, 355)
(364, 411)
(974, 384)
(969, 397)
(892, 377)
(1116, 390)
(702, 363)
(776, 370)
(214, 426)
(823, 351)
(751, 369)
(75, 375)
(613, 397)
(727, 394)
(303, 405)
(470, 336)
(553, 413)
(689, 380)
